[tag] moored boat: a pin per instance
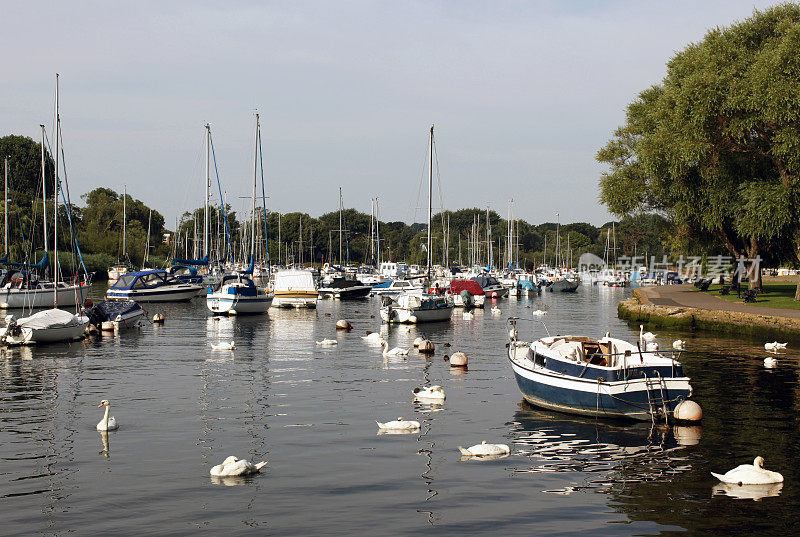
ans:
(237, 294)
(46, 326)
(602, 377)
(344, 289)
(155, 285)
(295, 288)
(467, 294)
(121, 313)
(414, 309)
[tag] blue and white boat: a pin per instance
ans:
(397, 287)
(118, 314)
(605, 377)
(237, 294)
(154, 285)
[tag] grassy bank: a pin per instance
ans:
(775, 294)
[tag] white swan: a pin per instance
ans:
(775, 346)
(372, 336)
(419, 340)
(327, 342)
(496, 310)
(434, 393)
(467, 315)
(108, 423)
(750, 474)
(538, 313)
(233, 466)
(397, 351)
(679, 344)
(485, 450)
(223, 346)
(770, 362)
(399, 425)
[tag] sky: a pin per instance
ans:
(522, 96)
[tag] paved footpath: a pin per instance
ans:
(688, 296)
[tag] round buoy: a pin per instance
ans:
(418, 341)
(426, 347)
(687, 436)
(107, 326)
(158, 318)
(446, 344)
(687, 411)
(341, 324)
(493, 294)
(459, 359)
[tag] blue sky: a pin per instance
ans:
(523, 94)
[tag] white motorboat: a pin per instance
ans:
(295, 288)
(397, 287)
(154, 285)
(237, 294)
(47, 326)
(414, 309)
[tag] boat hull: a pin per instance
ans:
(346, 293)
(563, 286)
(298, 300)
(226, 304)
(128, 320)
(178, 293)
(67, 295)
(626, 399)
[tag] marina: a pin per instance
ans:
(310, 412)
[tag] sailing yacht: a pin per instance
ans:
(237, 293)
(52, 325)
(414, 309)
(122, 266)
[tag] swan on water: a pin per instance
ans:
(397, 351)
(419, 340)
(496, 311)
(679, 344)
(327, 342)
(233, 466)
(108, 423)
(538, 313)
(485, 450)
(223, 346)
(467, 315)
(770, 362)
(775, 346)
(750, 474)
(434, 392)
(399, 425)
(373, 338)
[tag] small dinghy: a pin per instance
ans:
(48, 326)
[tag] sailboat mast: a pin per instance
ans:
(55, 202)
(5, 204)
(44, 193)
(377, 231)
(208, 188)
(147, 243)
(124, 221)
(430, 206)
(340, 226)
(255, 179)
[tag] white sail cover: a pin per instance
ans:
(294, 280)
(54, 318)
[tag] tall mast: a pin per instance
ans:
(5, 204)
(558, 239)
(44, 193)
(124, 221)
(430, 206)
(208, 187)
(147, 243)
(340, 226)
(55, 202)
(255, 178)
(377, 231)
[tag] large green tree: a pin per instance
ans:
(716, 145)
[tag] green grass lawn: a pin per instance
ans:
(774, 295)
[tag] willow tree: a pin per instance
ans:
(716, 145)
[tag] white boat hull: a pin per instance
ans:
(415, 315)
(67, 295)
(294, 302)
(233, 305)
(177, 293)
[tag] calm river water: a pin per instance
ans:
(310, 411)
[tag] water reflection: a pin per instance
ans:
(609, 453)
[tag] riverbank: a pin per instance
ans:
(682, 307)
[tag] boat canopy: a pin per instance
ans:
(142, 279)
(471, 286)
(40, 266)
(294, 280)
(108, 310)
(52, 318)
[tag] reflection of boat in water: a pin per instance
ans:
(603, 377)
(565, 443)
